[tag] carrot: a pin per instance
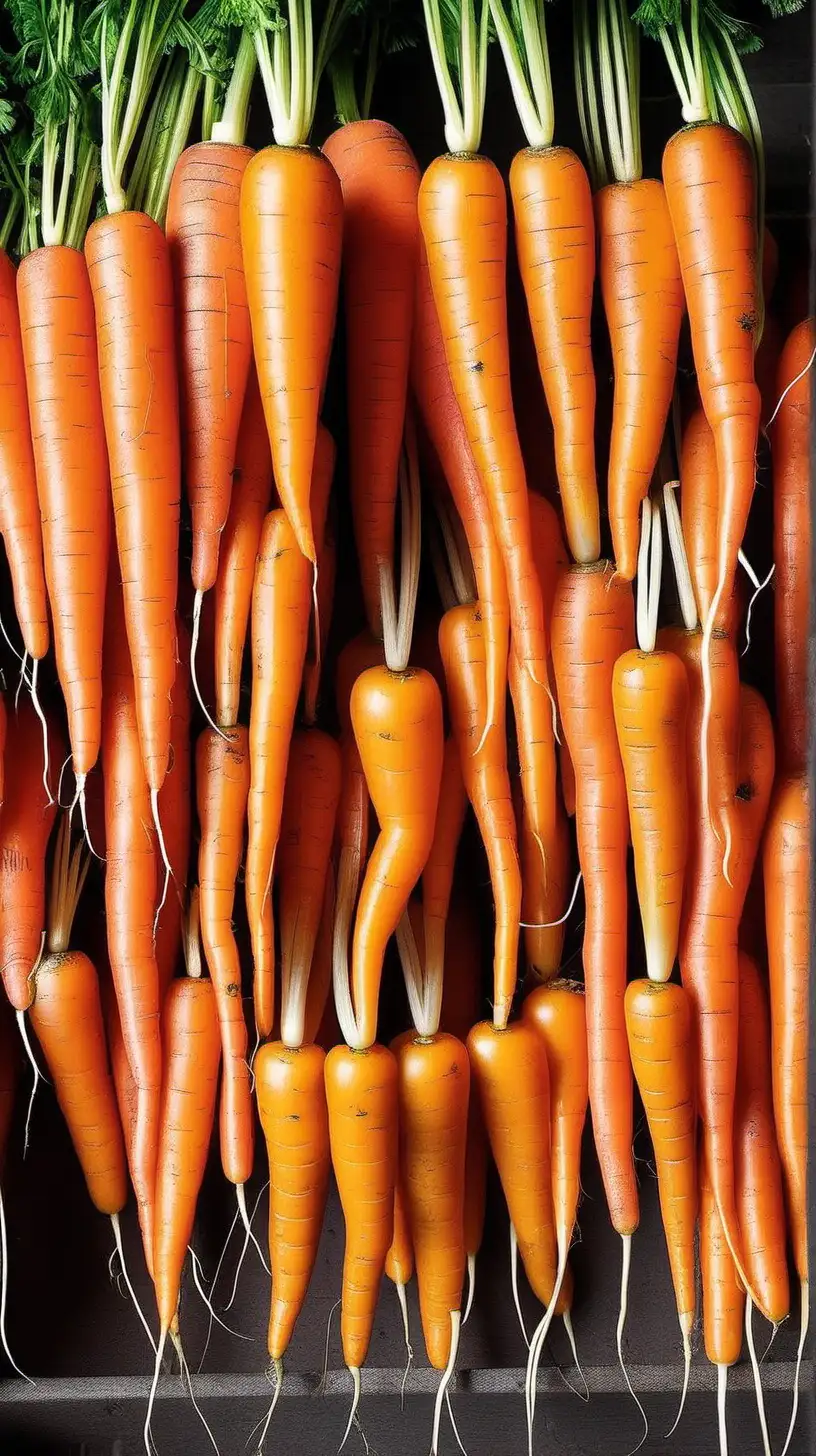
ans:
(758, 1175)
(62, 377)
(650, 698)
(724, 726)
(449, 443)
(326, 551)
(222, 788)
(592, 626)
(175, 815)
(790, 441)
(353, 659)
(786, 863)
(25, 828)
(699, 506)
(660, 1035)
(130, 903)
(723, 1295)
(280, 624)
(483, 761)
(20, 524)
(463, 216)
(292, 1106)
(437, 876)
(361, 1093)
(379, 178)
(251, 491)
(307, 829)
(399, 1261)
(66, 1014)
(461, 1009)
(320, 1014)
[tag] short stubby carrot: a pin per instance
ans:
(25, 828)
(434, 1084)
(510, 1071)
(397, 723)
(379, 177)
(249, 503)
(650, 698)
(20, 524)
(643, 301)
(129, 268)
(291, 231)
(463, 216)
(215, 341)
(659, 1030)
(555, 245)
(361, 1092)
(222, 788)
(593, 624)
(281, 602)
(68, 435)
(292, 1104)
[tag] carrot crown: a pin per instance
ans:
(229, 47)
(522, 35)
(289, 63)
(607, 83)
(458, 35)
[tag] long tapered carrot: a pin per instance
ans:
(222, 789)
(437, 876)
(650, 698)
(215, 342)
(593, 624)
(251, 492)
(281, 601)
(659, 1030)
(723, 1295)
(292, 1106)
(379, 178)
(791, 453)
(62, 377)
(175, 817)
(25, 828)
(699, 509)
(20, 524)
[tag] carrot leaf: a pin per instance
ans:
(165, 135)
(289, 61)
(458, 33)
(231, 63)
(362, 33)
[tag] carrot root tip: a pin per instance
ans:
(537, 1345)
(551, 924)
(266, 1420)
(514, 1283)
(686, 1322)
(570, 1333)
(354, 1372)
(198, 1280)
(240, 1194)
(447, 1376)
(760, 1399)
(4, 1292)
(471, 1287)
(626, 1264)
(197, 604)
(403, 1304)
(120, 1250)
(38, 1076)
(149, 1443)
(168, 868)
(35, 701)
(722, 1389)
(185, 1372)
(804, 1320)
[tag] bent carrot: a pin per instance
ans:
(437, 876)
(25, 828)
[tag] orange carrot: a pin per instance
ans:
(437, 876)
(175, 816)
(25, 828)
(723, 1295)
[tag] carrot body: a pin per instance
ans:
(326, 549)
(484, 770)
(215, 342)
(20, 524)
(175, 817)
(708, 173)
(434, 393)
(291, 230)
(791, 448)
(192, 1053)
(379, 177)
(723, 1295)
(292, 1105)
(555, 244)
(361, 1092)
(129, 268)
(251, 492)
(659, 1029)
(558, 1013)
(437, 876)
(434, 1084)
(397, 722)
(399, 1261)
(67, 1016)
(650, 697)
(67, 432)
(280, 628)
(25, 828)
(643, 301)
(461, 1009)
(758, 1172)
(699, 510)
(593, 624)
(787, 872)
(510, 1071)
(463, 215)
(222, 787)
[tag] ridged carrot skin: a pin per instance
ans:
(558, 1013)
(361, 1091)
(129, 268)
(437, 876)
(723, 1295)
(292, 1106)
(62, 376)
(699, 510)
(215, 340)
(593, 624)
(25, 828)
(555, 245)
(19, 508)
(291, 233)
(644, 305)
(175, 817)
(463, 216)
(379, 178)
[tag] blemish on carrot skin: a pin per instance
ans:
(478, 366)
(361, 1112)
(233, 989)
(747, 322)
(745, 793)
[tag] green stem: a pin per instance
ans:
(10, 217)
(173, 140)
(124, 102)
(232, 124)
(167, 90)
(87, 177)
(371, 69)
(523, 40)
(464, 111)
(346, 107)
(209, 105)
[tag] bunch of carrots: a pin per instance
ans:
(274, 794)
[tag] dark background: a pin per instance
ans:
(68, 1326)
